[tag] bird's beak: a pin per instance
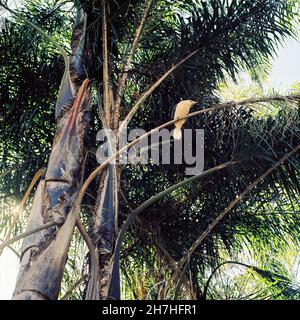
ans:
(194, 102)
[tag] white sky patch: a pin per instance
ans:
(286, 67)
(9, 265)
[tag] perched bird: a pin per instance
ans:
(181, 109)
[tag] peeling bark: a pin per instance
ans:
(104, 230)
(44, 254)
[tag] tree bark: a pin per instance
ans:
(44, 254)
(104, 234)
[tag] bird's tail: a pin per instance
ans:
(177, 134)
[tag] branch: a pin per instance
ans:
(157, 197)
(217, 268)
(227, 104)
(21, 205)
(146, 94)
(183, 262)
(122, 79)
(161, 251)
(28, 233)
(92, 292)
(224, 105)
(12, 249)
(93, 174)
(5, 173)
(73, 287)
(92, 289)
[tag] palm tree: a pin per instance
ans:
(134, 61)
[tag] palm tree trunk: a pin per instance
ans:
(44, 254)
(104, 234)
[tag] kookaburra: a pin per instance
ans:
(181, 109)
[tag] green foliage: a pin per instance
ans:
(29, 80)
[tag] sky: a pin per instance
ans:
(285, 71)
(286, 67)
(9, 264)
